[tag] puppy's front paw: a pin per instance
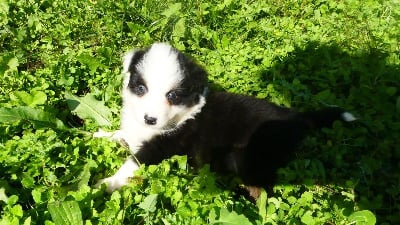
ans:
(102, 133)
(121, 177)
(117, 135)
(113, 183)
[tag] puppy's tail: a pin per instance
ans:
(325, 117)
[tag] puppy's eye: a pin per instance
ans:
(140, 90)
(173, 97)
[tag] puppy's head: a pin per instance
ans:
(162, 87)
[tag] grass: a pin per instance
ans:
(57, 55)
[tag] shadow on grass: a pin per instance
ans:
(363, 155)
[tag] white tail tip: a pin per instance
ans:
(348, 117)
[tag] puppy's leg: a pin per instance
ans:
(113, 135)
(121, 177)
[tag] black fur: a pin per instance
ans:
(235, 134)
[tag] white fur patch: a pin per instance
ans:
(102, 133)
(348, 117)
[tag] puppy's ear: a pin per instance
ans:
(132, 58)
(127, 59)
(129, 62)
(126, 62)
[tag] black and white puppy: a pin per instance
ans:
(167, 110)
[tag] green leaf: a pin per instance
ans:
(88, 107)
(65, 213)
(229, 218)
(37, 195)
(363, 217)
(391, 91)
(149, 203)
(4, 9)
(307, 218)
(179, 28)
(181, 160)
(3, 196)
(32, 99)
(17, 210)
(324, 95)
(27, 181)
(85, 175)
(28, 221)
(172, 10)
(92, 62)
(13, 63)
(306, 198)
(39, 118)
(262, 205)
(12, 200)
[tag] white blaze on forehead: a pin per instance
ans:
(160, 68)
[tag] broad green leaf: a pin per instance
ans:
(65, 213)
(88, 107)
(37, 195)
(12, 115)
(172, 10)
(12, 199)
(179, 28)
(391, 91)
(31, 99)
(228, 218)
(4, 9)
(39, 118)
(28, 221)
(262, 204)
(85, 174)
(363, 217)
(17, 210)
(27, 181)
(182, 161)
(308, 218)
(149, 203)
(324, 95)
(306, 198)
(13, 63)
(3, 196)
(92, 62)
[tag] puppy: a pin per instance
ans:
(168, 110)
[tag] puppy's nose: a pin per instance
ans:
(150, 120)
